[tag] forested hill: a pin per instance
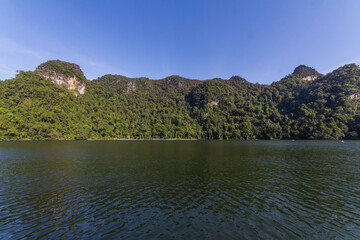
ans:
(56, 101)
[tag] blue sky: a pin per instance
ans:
(260, 40)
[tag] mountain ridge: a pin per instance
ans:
(32, 107)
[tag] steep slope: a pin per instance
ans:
(33, 107)
(326, 108)
(306, 73)
(64, 73)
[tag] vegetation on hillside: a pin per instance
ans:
(114, 107)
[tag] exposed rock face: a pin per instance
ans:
(215, 102)
(176, 82)
(131, 86)
(307, 73)
(70, 82)
(310, 78)
(64, 73)
(352, 96)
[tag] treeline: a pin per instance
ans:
(303, 105)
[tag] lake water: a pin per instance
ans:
(180, 190)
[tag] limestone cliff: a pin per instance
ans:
(307, 73)
(310, 78)
(130, 87)
(64, 73)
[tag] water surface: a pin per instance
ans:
(180, 190)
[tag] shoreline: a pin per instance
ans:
(170, 139)
(113, 139)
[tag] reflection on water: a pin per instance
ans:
(180, 189)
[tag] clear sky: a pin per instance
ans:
(260, 40)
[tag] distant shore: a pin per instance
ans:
(168, 139)
(112, 139)
(149, 139)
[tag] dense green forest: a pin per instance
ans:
(303, 105)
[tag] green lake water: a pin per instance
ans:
(180, 190)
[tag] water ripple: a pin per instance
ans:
(177, 190)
